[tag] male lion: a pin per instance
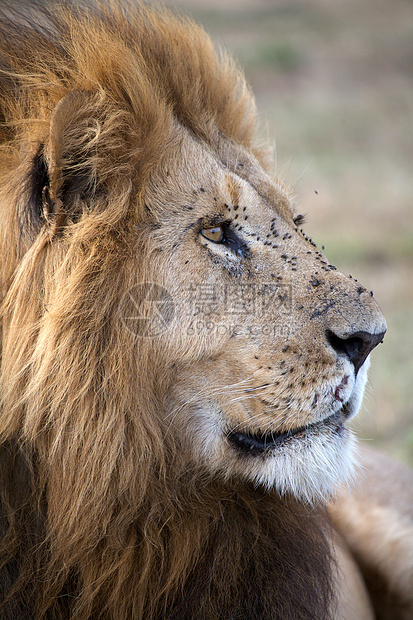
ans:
(179, 361)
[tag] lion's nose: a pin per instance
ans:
(356, 346)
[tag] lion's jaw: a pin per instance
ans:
(309, 461)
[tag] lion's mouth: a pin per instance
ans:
(257, 443)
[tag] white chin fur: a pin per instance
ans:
(311, 468)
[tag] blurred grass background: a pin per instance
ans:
(333, 81)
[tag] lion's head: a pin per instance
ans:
(156, 275)
(163, 311)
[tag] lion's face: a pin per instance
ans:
(268, 343)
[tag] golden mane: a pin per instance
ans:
(156, 69)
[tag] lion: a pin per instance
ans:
(179, 361)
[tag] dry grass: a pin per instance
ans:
(333, 81)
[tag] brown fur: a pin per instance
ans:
(121, 127)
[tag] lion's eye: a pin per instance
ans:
(215, 234)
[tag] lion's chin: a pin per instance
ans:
(310, 463)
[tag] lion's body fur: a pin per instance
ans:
(104, 512)
(205, 555)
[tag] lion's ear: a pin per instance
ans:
(64, 166)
